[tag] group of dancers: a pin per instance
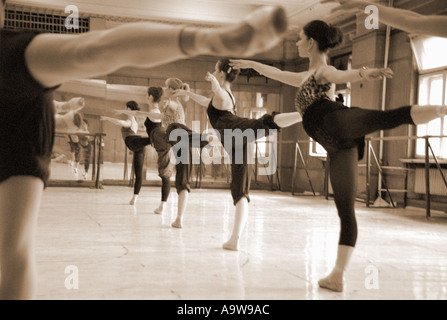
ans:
(35, 64)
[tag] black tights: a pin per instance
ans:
(354, 123)
(138, 163)
(165, 188)
(343, 174)
(137, 145)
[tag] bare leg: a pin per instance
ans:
(20, 198)
(240, 219)
(182, 203)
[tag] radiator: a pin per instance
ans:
(437, 185)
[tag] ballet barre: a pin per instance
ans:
(429, 153)
(98, 139)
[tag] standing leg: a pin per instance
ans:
(240, 187)
(18, 219)
(343, 173)
(181, 208)
(165, 173)
(182, 183)
(165, 191)
(240, 220)
(87, 155)
(138, 163)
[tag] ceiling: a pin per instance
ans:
(208, 12)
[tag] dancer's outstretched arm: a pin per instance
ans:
(406, 20)
(75, 104)
(202, 100)
(122, 123)
(333, 75)
(142, 114)
(291, 78)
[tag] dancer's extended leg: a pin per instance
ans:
(284, 120)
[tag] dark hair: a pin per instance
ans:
(77, 119)
(326, 35)
(132, 105)
(230, 73)
(155, 92)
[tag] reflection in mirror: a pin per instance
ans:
(101, 157)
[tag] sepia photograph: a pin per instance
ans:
(221, 158)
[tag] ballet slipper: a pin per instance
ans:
(258, 32)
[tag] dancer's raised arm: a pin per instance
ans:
(406, 20)
(333, 75)
(202, 100)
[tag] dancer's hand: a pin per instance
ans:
(348, 6)
(241, 64)
(209, 77)
(376, 73)
(180, 93)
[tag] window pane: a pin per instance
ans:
(431, 92)
(436, 91)
(429, 52)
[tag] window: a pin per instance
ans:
(432, 66)
(17, 18)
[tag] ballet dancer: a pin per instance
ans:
(70, 120)
(80, 142)
(157, 136)
(339, 129)
(172, 107)
(135, 143)
(34, 64)
(406, 20)
(173, 112)
(220, 110)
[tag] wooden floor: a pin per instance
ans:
(118, 251)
